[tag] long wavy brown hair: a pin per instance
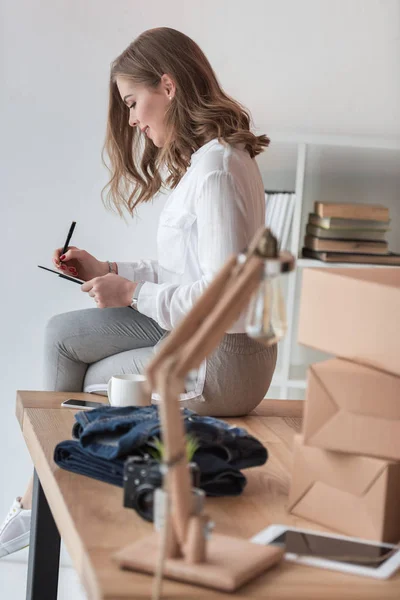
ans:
(199, 112)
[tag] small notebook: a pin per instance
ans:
(69, 277)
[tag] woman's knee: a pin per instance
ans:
(55, 325)
(58, 329)
(63, 371)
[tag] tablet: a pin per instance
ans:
(333, 551)
(69, 277)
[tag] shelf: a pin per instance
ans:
(333, 140)
(292, 379)
(312, 262)
(297, 378)
(298, 384)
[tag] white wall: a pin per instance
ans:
(315, 66)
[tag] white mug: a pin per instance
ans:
(128, 390)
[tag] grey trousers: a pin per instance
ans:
(88, 346)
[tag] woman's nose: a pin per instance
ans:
(132, 121)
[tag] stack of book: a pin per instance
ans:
(351, 233)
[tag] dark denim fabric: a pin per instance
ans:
(107, 435)
(113, 432)
(217, 478)
(70, 456)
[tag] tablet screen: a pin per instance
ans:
(319, 546)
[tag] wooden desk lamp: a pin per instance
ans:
(220, 562)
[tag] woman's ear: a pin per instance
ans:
(168, 85)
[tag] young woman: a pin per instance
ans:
(169, 124)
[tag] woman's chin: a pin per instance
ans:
(158, 140)
(155, 142)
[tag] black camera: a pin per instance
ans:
(142, 476)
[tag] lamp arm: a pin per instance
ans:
(174, 443)
(212, 315)
(192, 321)
(231, 302)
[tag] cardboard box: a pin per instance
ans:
(352, 408)
(356, 495)
(353, 313)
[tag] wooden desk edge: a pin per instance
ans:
(266, 408)
(80, 556)
(28, 399)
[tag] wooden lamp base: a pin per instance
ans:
(230, 562)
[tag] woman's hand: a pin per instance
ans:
(79, 263)
(110, 291)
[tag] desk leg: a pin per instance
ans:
(44, 549)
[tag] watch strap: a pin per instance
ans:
(135, 297)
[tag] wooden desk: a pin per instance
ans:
(93, 523)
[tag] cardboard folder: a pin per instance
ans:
(356, 495)
(352, 408)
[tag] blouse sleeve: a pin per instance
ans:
(140, 270)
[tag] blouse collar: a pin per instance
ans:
(202, 150)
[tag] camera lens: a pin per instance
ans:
(144, 501)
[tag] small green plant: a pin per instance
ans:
(156, 448)
(191, 446)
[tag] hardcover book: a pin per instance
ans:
(342, 257)
(336, 223)
(375, 212)
(357, 246)
(345, 234)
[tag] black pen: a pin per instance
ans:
(69, 236)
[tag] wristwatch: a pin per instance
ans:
(135, 297)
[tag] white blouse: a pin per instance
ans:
(213, 212)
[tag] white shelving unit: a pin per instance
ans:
(290, 376)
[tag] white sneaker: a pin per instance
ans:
(14, 533)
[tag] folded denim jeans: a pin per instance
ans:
(115, 432)
(217, 478)
(69, 455)
(106, 436)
